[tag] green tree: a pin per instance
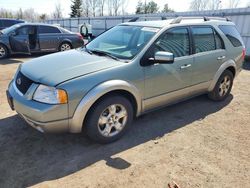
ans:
(166, 9)
(152, 7)
(139, 8)
(146, 8)
(76, 8)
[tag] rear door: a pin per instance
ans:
(19, 41)
(209, 53)
(49, 37)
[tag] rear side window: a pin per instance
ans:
(232, 34)
(48, 30)
(203, 39)
(175, 41)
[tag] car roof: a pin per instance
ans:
(37, 24)
(164, 23)
(11, 19)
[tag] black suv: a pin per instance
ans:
(4, 22)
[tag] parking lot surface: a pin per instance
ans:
(197, 143)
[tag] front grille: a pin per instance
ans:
(22, 83)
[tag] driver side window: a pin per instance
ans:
(175, 41)
(23, 31)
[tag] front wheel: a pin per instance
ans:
(223, 87)
(109, 119)
(3, 52)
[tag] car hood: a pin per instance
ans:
(59, 67)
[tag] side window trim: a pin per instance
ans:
(214, 32)
(144, 57)
(21, 28)
(178, 27)
(59, 31)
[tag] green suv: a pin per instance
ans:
(127, 71)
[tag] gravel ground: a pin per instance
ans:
(197, 143)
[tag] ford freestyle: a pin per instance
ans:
(127, 71)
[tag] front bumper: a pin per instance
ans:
(43, 117)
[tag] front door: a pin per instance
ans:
(19, 40)
(164, 79)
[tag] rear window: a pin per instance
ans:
(48, 30)
(232, 34)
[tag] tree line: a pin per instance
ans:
(112, 8)
(92, 8)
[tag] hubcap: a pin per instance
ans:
(224, 86)
(65, 47)
(2, 51)
(112, 120)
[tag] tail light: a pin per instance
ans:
(80, 36)
(243, 53)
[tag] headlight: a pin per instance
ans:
(50, 95)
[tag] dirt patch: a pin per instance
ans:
(197, 143)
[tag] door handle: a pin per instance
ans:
(185, 66)
(221, 57)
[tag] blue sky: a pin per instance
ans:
(47, 6)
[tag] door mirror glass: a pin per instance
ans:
(162, 57)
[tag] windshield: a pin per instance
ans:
(9, 29)
(123, 42)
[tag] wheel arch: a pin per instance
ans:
(8, 49)
(104, 89)
(228, 65)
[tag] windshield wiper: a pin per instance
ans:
(87, 50)
(99, 52)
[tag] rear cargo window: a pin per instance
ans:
(232, 34)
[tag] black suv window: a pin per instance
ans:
(204, 39)
(232, 34)
(48, 30)
(175, 41)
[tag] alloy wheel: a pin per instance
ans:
(2, 52)
(224, 86)
(112, 120)
(65, 47)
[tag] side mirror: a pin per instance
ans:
(162, 57)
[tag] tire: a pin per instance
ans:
(223, 87)
(3, 51)
(103, 125)
(65, 46)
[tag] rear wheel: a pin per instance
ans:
(3, 52)
(223, 86)
(109, 119)
(65, 46)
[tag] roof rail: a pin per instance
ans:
(205, 18)
(145, 17)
